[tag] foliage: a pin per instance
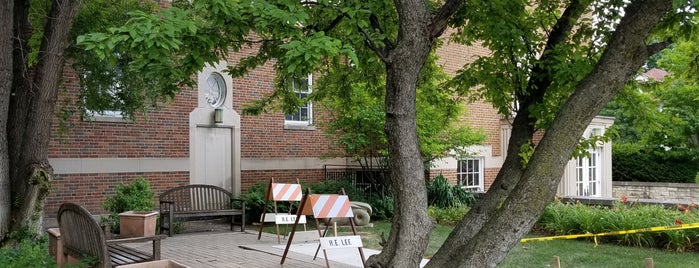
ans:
(442, 194)
(358, 117)
(27, 253)
(382, 207)
(255, 201)
(661, 114)
(449, 216)
(106, 83)
(136, 195)
(633, 162)
(576, 218)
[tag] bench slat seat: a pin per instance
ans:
(199, 200)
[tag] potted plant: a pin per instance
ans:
(131, 209)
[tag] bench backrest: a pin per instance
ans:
(196, 197)
(81, 234)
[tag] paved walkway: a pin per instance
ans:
(236, 249)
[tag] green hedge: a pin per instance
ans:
(631, 162)
(575, 218)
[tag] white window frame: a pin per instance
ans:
(476, 184)
(309, 106)
(588, 173)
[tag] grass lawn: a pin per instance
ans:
(572, 253)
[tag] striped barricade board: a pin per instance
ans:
(324, 206)
(285, 192)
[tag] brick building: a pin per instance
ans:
(200, 137)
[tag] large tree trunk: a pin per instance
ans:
(411, 225)
(30, 164)
(6, 11)
(523, 132)
(499, 231)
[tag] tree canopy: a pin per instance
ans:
(553, 65)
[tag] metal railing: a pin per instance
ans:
(369, 181)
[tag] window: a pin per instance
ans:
(109, 102)
(102, 89)
(469, 174)
(588, 174)
(304, 116)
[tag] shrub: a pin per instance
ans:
(576, 218)
(136, 195)
(382, 207)
(255, 201)
(27, 253)
(447, 216)
(443, 194)
(631, 162)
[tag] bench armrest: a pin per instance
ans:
(136, 239)
(155, 239)
(240, 203)
(165, 206)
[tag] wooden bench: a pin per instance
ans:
(80, 235)
(199, 200)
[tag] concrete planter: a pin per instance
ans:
(137, 223)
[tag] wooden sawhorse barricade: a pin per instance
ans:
(327, 206)
(280, 192)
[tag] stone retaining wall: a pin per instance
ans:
(679, 192)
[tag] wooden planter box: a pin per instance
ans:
(137, 223)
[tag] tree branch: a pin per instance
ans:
(657, 47)
(380, 51)
(439, 22)
(565, 24)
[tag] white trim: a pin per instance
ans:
(120, 165)
(484, 151)
(291, 163)
(117, 165)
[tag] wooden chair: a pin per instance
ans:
(82, 236)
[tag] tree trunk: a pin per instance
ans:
(6, 12)
(32, 183)
(411, 225)
(523, 133)
(499, 231)
(21, 83)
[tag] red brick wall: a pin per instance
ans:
(90, 190)
(479, 115)
(160, 133)
(264, 136)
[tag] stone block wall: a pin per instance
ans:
(687, 192)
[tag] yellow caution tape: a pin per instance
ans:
(642, 230)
